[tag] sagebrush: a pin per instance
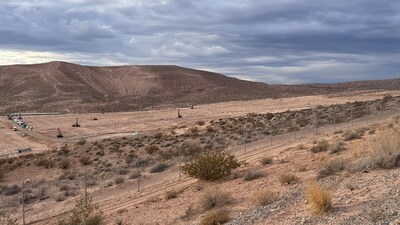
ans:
(211, 165)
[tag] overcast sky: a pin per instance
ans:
(273, 41)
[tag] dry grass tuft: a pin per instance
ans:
(216, 217)
(289, 178)
(385, 154)
(266, 160)
(320, 198)
(215, 198)
(264, 198)
(252, 175)
(332, 167)
(320, 146)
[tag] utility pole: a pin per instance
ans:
(179, 159)
(366, 111)
(316, 121)
(295, 128)
(271, 138)
(86, 194)
(23, 203)
(334, 119)
(138, 172)
(380, 108)
(351, 117)
(245, 138)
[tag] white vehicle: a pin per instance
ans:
(15, 129)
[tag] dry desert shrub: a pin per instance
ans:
(319, 197)
(160, 167)
(385, 154)
(150, 149)
(85, 160)
(215, 217)
(119, 180)
(200, 122)
(64, 164)
(351, 135)
(252, 175)
(337, 147)
(320, 146)
(134, 174)
(45, 162)
(2, 174)
(288, 178)
(84, 213)
(215, 199)
(266, 160)
(171, 194)
(264, 198)
(332, 167)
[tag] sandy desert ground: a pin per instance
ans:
(108, 125)
(352, 191)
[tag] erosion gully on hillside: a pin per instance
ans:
(250, 137)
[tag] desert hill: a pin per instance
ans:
(66, 87)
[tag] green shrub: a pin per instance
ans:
(211, 165)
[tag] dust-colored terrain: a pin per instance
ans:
(334, 134)
(66, 87)
(248, 131)
(120, 124)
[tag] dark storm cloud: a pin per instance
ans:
(276, 41)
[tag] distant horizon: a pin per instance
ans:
(122, 65)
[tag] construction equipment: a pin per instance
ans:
(191, 106)
(59, 135)
(76, 124)
(179, 114)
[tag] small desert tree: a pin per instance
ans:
(211, 165)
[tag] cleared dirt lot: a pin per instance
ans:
(124, 123)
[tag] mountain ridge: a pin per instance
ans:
(68, 87)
